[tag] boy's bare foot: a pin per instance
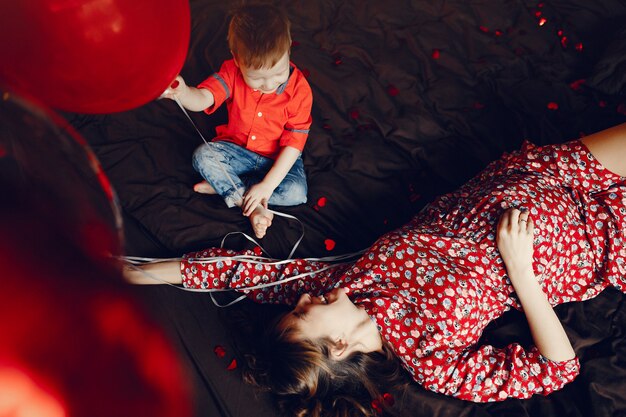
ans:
(261, 219)
(204, 187)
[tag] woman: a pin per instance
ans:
(537, 228)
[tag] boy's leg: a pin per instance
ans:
(221, 164)
(609, 148)
(293, 188)
(290, 192)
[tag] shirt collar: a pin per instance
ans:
(282, 87)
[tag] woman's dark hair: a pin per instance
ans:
(306, 381)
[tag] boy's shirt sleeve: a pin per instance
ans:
(296, 130)
(220, 84)
(486, 373)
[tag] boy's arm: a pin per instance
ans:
(260, 193)
(193, 99)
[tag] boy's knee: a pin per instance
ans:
(200, 156)
(295, 192)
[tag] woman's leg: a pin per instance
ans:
(609, 148)
(167, 272)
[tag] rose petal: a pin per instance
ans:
(219, 351)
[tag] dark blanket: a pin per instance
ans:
(411, 99)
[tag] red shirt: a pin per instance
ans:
(262, 123)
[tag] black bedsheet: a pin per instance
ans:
(411, 99)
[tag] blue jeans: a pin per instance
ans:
(217, 161)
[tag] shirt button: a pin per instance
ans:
(253, 137)
(259, 114)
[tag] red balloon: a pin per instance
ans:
(92, 56)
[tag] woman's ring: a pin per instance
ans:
(523, 220)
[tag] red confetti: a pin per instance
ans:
(392, 90)
(354, 114)
(232, 365)
(321, 201)
(498, 32)
(577, 85)
(330, 244)
(559, 32)
(219, 351)
(540, 5)
(542, 21)
(388, 399)
(483, 29)
(602, 103)
(553, 106)
(621, 109)
(377, 407)
(436, 53)
(337, 59)
(564, 41)
(538, 14)
(579, 46)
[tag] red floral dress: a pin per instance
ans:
(433, 285)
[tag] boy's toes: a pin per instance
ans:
(260, 225)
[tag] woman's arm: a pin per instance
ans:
(154, 273)
(515, 243)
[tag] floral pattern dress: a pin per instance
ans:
(433, 285)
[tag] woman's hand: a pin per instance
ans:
(515, 243)
(515, 240)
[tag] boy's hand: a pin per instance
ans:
(258, 194)
(177, 88)
(515, 241)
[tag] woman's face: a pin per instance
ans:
(331, 316)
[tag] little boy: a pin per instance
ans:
(255, 159)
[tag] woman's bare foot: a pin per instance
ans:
(261, 219)
(204, 187)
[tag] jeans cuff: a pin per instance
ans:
(233, 199)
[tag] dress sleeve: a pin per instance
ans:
(232, 273)
(296, 130)
(490, 374)
(220, 84)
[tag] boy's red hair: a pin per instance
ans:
(258, 35)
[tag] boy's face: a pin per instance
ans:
(267, 80)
